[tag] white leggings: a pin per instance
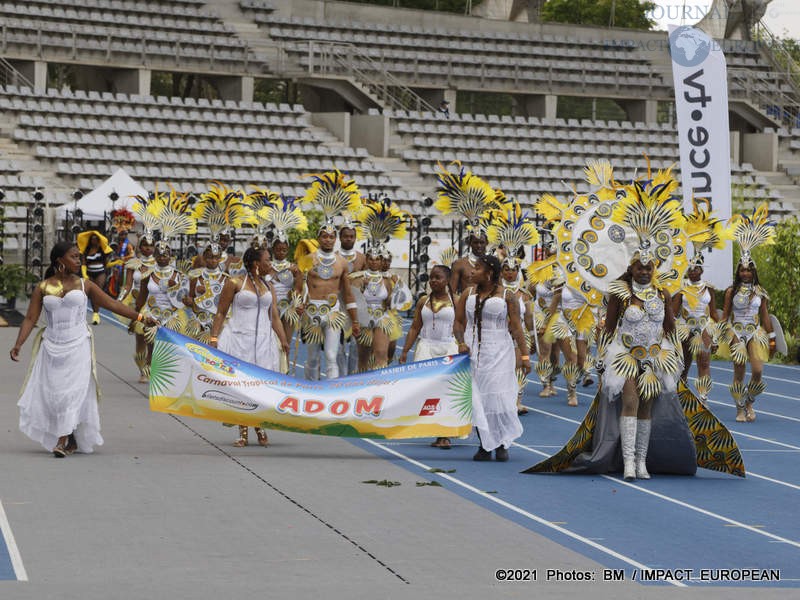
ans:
(330, 347)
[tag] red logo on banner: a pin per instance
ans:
(430, 408)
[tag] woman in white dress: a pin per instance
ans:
(58, 406)
(432, 327)
(254, 333)
(485, 320)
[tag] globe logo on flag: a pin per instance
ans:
(689, 46)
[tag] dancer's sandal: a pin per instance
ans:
(60, 450)
(72, 444)
(262, 437)
(242, 441)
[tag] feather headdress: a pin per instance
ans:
(148, 219)
(752, 231)
(600, 174)
(512, 230)
(465, 194)
(284, 214)
(334, 195)
(169, 213)
(260, 200)
(448, 256)
(705, 232)
(122, 219)
(652, 212)
(223, 210)
(378, 222)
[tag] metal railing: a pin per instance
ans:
(783, 62)
(10, 76)
(329, 58)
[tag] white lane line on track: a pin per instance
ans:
(767, 440)
(672, 500)
(764, 376)
(520, 511)
(11, 545)
(756, 475)
(761, 411)
(776, 481)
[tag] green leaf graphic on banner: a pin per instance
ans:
(164, 367)
(461, 391)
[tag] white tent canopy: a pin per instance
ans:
(96, 203)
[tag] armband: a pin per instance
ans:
(525, 357)
(350, 305)
(213, 338)
(140, 317)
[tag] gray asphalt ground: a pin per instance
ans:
(167, 508)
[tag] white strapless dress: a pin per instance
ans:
(60, 393)
(248, 334)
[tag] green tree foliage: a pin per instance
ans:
(779, 271)
(632, 14)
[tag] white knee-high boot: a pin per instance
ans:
(627, 434)
(642, 443)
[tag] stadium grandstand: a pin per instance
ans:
(261, 92)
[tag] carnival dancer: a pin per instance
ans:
(221, 210)
(58, 405)
(463, 267)
(254, 332)
(284, 215)
(544, 276)
(205, 286)
(379, 322)
(469, 197)
(95, 252)
(510, 232)
(325, 275)
(659, 426)
(356, 262)
(137, 268)
(402, 299)
(694, 305)
(161, 291)
(746, 311)
(432, 327)
(486, 326)
(571, 323)
(122, 221)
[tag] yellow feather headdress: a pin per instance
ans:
(380, 221)
(170, 213)
(334, 195)
(705, 232)
(284, 214)
(148, 219)
(465, 194)
(223, 210)
(752, 231)
(652, 211)
(512, 230)
(600, 174)
(260, 200)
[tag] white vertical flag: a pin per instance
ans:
(701, 102)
